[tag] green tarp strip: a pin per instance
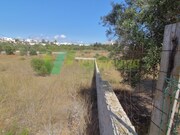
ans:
(58, 63)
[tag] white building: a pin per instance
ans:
(6, 39)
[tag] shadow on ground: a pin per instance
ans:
(138, 106)
(90, 96)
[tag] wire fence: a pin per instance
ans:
(154, 100)
(137, 103)
(165, 114)
(174, 110)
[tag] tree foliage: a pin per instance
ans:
(9, 49)
(23, 51)
(140, 23)
(32, 51)
(48, 48)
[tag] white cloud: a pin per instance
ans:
(60, 36)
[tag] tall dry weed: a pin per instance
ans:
(42, 105)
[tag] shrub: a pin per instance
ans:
(42, 67)
(130, 70)
(49, 52)
(48, 60)
(23, 51)
(32, 51)
(9, 49)
(97, 55)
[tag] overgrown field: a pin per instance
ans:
(105, 64)
(65, 103)
(51, 105)
(135, 99)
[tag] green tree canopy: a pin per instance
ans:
(9, 49)
(141, 23)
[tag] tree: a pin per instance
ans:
(17, 40)
(9, 49)
(55, 41)
(32, 51)
(23, 51)
(43, 41)
(141, 23)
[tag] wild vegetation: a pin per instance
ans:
(66, 103)
(56, 104)
(9, 49)
(48, 48)
(42, 66)
(71, 89)
(139, 25)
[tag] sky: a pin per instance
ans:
(63, 20)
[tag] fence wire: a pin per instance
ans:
(138, 103)
(170, 91)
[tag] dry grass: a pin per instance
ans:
(107, 68)
(42, 105)
(113, 76)
(91, 53)
(63, 104)
(137, 102)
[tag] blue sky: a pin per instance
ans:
(64, 20)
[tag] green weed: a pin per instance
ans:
(87, 64)
(42, 67)
(69, 58)
(14, 131)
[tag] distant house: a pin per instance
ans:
(6, 39)
(31, 41)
